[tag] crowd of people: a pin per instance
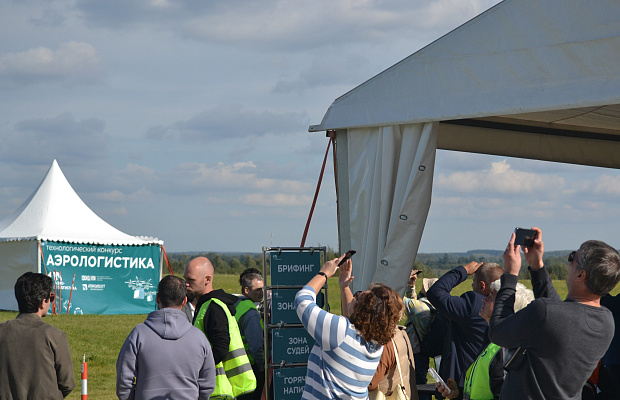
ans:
(500, 340)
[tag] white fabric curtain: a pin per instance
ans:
(18, 257)
(388, 184)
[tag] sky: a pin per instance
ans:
(188, 121)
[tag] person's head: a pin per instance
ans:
(171, 292)
(523, 297)
(251, 282)
(33, 291)
(596, 264)
(484, 276)
(376, 312)
(426, 284)
(198, 278)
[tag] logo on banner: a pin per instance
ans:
(141, 289)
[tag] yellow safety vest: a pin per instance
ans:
(477, 386)
(243, 307)
(234, 375)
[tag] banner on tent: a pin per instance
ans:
(108, 279)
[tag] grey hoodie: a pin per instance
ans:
(170, 359)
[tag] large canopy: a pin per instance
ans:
(96, 268)
(54, 212)
(527, 78)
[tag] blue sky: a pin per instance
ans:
(188, 121)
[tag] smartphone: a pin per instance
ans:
(418, 272)
(438, 379)
(348, 255)
(525, 237)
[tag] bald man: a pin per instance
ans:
(214, 315)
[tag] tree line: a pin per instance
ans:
(433, 265)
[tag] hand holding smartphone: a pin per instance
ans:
(438, 379)
(525, 237)
(348, 255)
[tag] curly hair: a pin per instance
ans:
(377, 312)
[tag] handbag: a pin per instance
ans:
(399, 392)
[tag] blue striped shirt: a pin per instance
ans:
(341, 363)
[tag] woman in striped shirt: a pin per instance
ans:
(347, 350)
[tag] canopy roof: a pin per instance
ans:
(54, 212)
(527, 78)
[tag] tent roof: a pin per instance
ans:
(55, 212)
(527, 78)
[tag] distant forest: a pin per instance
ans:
(433, 264)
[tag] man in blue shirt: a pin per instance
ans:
(467, 335)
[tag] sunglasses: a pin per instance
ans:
(356, 294)
(573, 257)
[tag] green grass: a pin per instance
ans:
(100, 337)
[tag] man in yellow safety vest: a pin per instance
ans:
(214, 316)
(251, 326)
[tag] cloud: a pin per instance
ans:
(606, 185)
(230, 122)
(276, 200)
(71, 64)
(350, 69)
(285, 25)
(500, 178)
(202, 178)
(40, 140)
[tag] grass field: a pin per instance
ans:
(100, 337)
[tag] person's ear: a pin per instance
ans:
(184, 302)
(581, 276)
(483, 286)
(157, 301)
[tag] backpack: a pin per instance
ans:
(432, 345)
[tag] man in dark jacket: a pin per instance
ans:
(35, 360)
(199, 279)
(467, 335)
(214, 315)
(561, 341)
(166, 357)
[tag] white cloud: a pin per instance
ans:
(500, 178)
(607, 185)
(72, 63)
(276, 200)
(197, 177)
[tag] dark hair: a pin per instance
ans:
(31, 289)
(377, 312)
(171, 291)
(601, 264)
(489, 273)
(248, 276)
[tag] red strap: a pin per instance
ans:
(167, 261)
(316, 193)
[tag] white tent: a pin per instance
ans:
(54, 213)
(527, 78)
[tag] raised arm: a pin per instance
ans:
(453, 307)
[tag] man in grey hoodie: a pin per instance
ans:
(166, 357)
